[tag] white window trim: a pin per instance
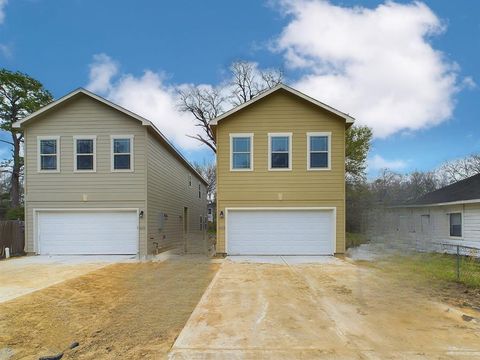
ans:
(290, 154)
(132, 165)
(39, 168)
(329, 136)
(234, 135)
(85, 137)
(461, 224)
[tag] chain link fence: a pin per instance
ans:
(465, 262)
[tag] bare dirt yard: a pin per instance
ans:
(338, 309)
(23, 275)
(125, 310)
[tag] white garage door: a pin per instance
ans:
(87, 232)
(280, 232)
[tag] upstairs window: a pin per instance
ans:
(48, 154)
(241, 152)
(456, 224)
(280, 151)
(190, 180)
(199, 191)
(122, 153)
(85, 148)
(318, 145)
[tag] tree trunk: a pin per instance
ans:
(15, 180)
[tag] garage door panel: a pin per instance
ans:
(87, 232)
(280, 232)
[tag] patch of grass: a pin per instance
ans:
(355, 239)
(439, 267)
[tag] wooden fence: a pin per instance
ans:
(12, 235)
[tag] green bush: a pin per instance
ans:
(355, 239)
(15, 214)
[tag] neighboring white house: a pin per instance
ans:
(450, 215)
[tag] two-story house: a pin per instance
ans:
(100, 179)
(281, 176)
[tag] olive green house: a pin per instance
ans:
(281, 176)
(100, 179)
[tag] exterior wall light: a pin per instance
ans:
(221, 214)
(140, 215)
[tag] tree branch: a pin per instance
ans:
(7, 142)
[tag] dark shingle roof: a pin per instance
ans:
(467, 189)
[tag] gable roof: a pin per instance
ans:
(467, 190)
(348, 119)
(144, 122)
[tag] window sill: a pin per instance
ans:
(240, 170)
(48, 171)
(122, 171)
(319, 169)
(280, 169)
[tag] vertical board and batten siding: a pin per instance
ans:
(277, 113)
(66, 189)
(168, 192)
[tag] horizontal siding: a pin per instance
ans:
(168, 192)
(281, 112)
(83, 115)
(403, 227)
(471, 222)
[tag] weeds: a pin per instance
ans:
(441, 267)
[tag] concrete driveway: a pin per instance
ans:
(20, 276)
(289, 308)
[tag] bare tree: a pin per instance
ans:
(456, 170)
(247, 81)
(206, 103)
(209, 171)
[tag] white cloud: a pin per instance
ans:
(376, 64)
(378, 163)
(146, 95)
(5, 50)
(3, 3)
(102, 70)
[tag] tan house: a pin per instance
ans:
(100, 179)
(281, 176)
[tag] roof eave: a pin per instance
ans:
(71, 94)
(456, 202)
(144, 121)
(348, 119)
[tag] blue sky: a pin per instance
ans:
(191, 42)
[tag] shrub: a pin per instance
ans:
(355, 239)
(15, 214)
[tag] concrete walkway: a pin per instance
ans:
(286, 308)
(20, 276)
